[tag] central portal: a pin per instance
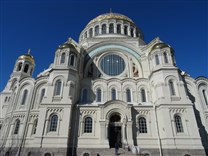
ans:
(114, 136)
(114, 131)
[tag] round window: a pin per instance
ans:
(112, 65)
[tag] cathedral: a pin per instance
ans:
(110, 87)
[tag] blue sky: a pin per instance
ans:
(42, 25)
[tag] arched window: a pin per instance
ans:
(19, 66)
(53, 123)
(29, 154)
(113, 94)
(132, 32)
(63, 55)
(142, 125)
(111, 28)
(72, 60)
(125, 30)
(84, 96)
(178, 123)
(171, 87)
(85, 35)
(157, 61)
(31, 70)
(42, 94)
(35, 123)
(143, 95)
(88, 125)
(5, 100)
(57, 90)
(47, 154)
(26, 68)
(205, 96)
(128, 95)
(104, 29)
(24, 98)
(86, 154)
(96, 30)
(98, 95)
(90, 32)
(165, 57)
(118, 28)
(17, 126)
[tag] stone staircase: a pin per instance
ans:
(109, 152)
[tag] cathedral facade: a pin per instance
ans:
(110, 87)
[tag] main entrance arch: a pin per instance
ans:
(116, 123)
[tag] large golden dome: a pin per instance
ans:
(110, 16)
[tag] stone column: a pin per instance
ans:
(104, 133)
(124, 141)
(115, 28)
(128, 31)
(107, 28)
(134, 32)
(30, 129)
(122, 29)
(129, 133)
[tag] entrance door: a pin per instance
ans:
(114, 135)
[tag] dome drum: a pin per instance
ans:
(111, 24)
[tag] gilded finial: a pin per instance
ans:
(28, 52)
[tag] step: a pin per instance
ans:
(109, 152)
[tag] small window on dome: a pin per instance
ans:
(85, 35)
(125, 30)
(157, 61)
(111, 28)
(96, 30)
(132, 32)
(165, 57)
(19, 66)
(63, 58)
(90, 32)
(31, 71)
(118, 28)
(26, 68)
(104, 29)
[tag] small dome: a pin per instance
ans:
(67, 45)
(27, 57)
(160, 46)
(111, 16)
